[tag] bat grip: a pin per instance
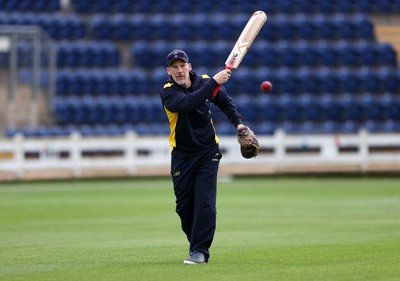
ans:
(216, 91)
(219, 86)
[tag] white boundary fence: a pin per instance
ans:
(130, 155)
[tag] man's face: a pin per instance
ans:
(179, 70)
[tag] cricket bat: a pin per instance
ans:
(244, 42)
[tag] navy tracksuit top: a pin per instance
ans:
(188, 111)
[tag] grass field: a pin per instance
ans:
(268, 229)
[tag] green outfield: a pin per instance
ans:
(268, 229)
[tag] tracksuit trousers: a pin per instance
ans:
(195, 188)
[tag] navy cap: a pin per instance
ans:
(177, 54)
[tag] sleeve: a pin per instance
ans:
(226, 105)
(176, 100)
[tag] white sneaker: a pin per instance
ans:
(195, 258)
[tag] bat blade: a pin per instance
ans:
(245, 40)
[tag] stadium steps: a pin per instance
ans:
(18, 113)
(389, 34)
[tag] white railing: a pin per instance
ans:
(136, 156)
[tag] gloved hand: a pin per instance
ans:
(249, 146)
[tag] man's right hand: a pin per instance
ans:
(223, 76)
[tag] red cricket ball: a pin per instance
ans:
(266, 86)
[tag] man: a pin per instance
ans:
(195, 152)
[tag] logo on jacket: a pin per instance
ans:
(176, 173)
(216, 157)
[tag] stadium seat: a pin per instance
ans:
(329, 56)
(387, 55)
(265, 128)
(327, 29)
(349, 127)
(352, 110)
(307, 7)
(350, 82)
(372, 109)
(291, 83)
(390, 126)
(289, 127)
(314, 49)
(371, 82)
(330, 83)
(311, 111)
(329, 127)
(332, 111)
(309, 83)
(350, 56)
(308, 30)
(289, 57)
(309, 56)
(326, 7)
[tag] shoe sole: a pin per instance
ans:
(189, 262)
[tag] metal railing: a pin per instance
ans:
(40, 67)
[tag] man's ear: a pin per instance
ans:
(190, 66)
(168, 71)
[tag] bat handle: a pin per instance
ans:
(219, 86)
(216, 91)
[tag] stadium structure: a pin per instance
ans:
(80, 81)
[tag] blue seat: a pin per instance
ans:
(372, 126)
(330, 83)
(288, 30)
(62, 114)
(125, 6)
(364, 27)
(326, 7)
(384, 7)
(329, 127)
(332, 111)
(372, 109)
(327, 30)
(121, 28)
(289, 127)
(346, 29)
(267, 55)
(102, 6)
(286, 7)
(350, 56)
(306, 7)
(308, 127)
(270, 34)
(369, 57)
(272, 112)
(312, 111)
(350, 82)
(328, 55)
(391, 126)
(352, 109)
(309, 56)
(290, 83)
(84, 7)
(391, 109)
(390, 81)
(310, 83)
(346, 7)
(289, 57)
(349, 127)
(387, 54)
(100, 27)
(371, 82)
(224, 128)
(308, 30)
(265, 128)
